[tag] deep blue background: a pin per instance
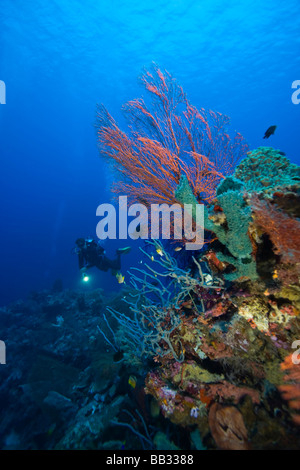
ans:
(59, 58)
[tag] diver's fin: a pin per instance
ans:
(123, 251)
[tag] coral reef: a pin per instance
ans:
(236, 336)
(195, 352)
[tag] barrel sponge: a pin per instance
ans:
(265, 168)
(234, 234)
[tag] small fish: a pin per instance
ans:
(269, 132)
(208, 279)
(120, 278)
(159, 251)
(275, 274)
(178, 248)
(152, 258)
(132, 381)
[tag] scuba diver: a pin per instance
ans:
(92, 254)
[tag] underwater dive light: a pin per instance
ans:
(86, 278)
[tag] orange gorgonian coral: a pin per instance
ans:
(168, 139)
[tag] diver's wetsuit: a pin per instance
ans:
(91, 254)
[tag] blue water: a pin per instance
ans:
(59, 58)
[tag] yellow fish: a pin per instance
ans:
(178, 248)
(120, 278)
(132, 381)
(159, 251)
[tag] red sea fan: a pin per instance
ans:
(168, 139)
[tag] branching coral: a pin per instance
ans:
(168, 139)
(159, 291)
(178, 283)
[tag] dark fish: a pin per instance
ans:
(282, 153)
(269, 132)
